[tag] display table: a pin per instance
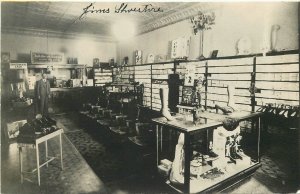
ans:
(234, 172)
(36, 146)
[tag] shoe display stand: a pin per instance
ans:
(207, 172)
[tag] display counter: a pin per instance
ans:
(71, 99)
(207, 157)
(69, 89)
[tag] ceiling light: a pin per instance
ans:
(124, 29)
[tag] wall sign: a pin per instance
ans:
(189, 76)
(45, 58)
(18, 65)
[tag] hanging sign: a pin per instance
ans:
(45, 58)
(18, 65)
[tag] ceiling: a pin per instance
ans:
(63, 17)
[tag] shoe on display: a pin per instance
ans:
(164, 104)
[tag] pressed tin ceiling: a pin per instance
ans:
(62, 17)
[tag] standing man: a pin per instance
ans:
(43, 94)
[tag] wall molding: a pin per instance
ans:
(53, 34)
(178, 16)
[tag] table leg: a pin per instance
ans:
(258, 143)
(38, 163)
(157, 144)
(61, 156)
(161, 137)
(21, 163)
(187, 163)
(46, 145)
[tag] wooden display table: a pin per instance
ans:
(36, 146)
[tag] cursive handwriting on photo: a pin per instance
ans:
(120, 8)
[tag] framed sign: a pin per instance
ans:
(18, 65)
(46, 58)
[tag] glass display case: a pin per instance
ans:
(210, 155)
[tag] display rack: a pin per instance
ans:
(143, 75)
(276, 78)
(159, 77)
(236, 72)
(102, 76)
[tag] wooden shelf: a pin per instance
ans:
(61, 66)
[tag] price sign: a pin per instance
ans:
(18, 65)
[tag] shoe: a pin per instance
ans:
(213, 154)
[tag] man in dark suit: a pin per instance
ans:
(43, 94)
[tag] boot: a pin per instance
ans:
(164, 104)
(231, 99)
(230, 108)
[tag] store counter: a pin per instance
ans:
(71, 99)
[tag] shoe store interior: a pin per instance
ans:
(149, 97)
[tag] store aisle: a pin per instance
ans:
(121, 173)
(77, 176)
(117, 165)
